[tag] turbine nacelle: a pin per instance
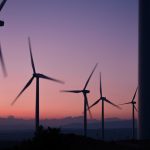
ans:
(103, 98)
(86, 91)
(36, 75)
(133, 102)
(1, 23)
(1, 7)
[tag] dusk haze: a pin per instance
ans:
(68, 38)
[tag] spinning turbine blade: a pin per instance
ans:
(90, 77)
(49, 78)
(135, 108)
(112, 103)
(88, 108)
(134, 95)
(94, 103)
(32, 62)
(2, 4)
(2, 62)
(26, 86)
(126, 103)
(72, 91)
(101, 95)
(90, 114)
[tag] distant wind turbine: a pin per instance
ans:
(2, 62)
(1, 6)
(103, 99)
(37, 76)
(84, 91)
(133, 117)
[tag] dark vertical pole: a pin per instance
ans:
(37, 105)
(85, 116)
(133, 125)
(103, 136)
(144, 69)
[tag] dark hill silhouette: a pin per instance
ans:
(12, 128)
(52, 138)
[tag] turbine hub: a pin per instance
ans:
(86, 91)
(35, 74)
(1, 23)
(134, 102)
(103, 98)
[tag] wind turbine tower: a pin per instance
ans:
(144, 69)
(36, 76)
(84, 91)
(132, 102)
(103, 99)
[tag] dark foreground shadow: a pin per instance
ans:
(53, 139)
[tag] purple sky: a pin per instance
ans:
(68, 38)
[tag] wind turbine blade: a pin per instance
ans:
(94, 103)
(31, 56)
(134, 94)
(101, 95)
(2, 4)
(126, 103)
(49, 78)
(25, 87)
(90, 114)
(2, 62)
(90, 77)
(135, 108)
(87, 106)
(112, 103)
(72, 91)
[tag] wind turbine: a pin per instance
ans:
(103, 99)
(1, 6)
(133, 108)
(37, 76)
(2, 62)
(84, 91)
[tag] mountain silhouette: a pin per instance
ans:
(52, 138)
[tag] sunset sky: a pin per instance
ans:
(68, 38)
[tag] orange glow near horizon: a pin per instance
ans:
(56, 104)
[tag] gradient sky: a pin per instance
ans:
(68, 38)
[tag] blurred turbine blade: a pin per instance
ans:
(134, 94)
(112, 103)
(90, 114)
(49, 78)
(135, 108)
(94, 103)
(90, 77)
(101, 95)
(25, 87)
(2, 62)
(2, 4)
(126, 103)
(72, 91)
(31, 56)
(87, 106)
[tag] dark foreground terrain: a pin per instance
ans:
(53, 139)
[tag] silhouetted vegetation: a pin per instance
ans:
(53, 139)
